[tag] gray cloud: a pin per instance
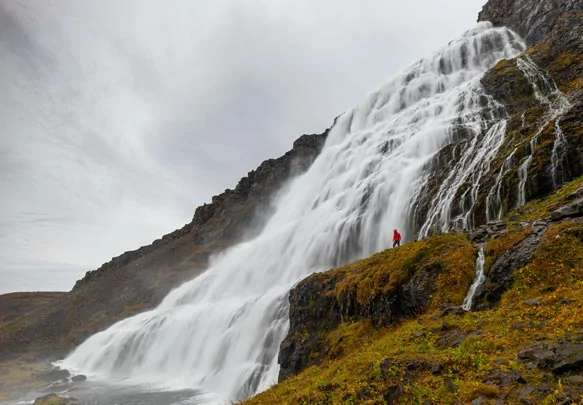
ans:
(118, 118)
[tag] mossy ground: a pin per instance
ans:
(452, 255)
(543, 207)
(491, 339)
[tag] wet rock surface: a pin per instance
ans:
(315, 308)
(500, 276)
(531, 19)
(56, 375)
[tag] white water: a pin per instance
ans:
(556, 103)
(558, 155)
(222, 330)
(494, 209)
(478, 281)
(471, 167)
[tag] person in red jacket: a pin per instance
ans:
(396, 238)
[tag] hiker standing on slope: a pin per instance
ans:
(396, 238)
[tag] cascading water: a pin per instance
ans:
(478, 281)
(221, 331)
(494, 199)
(548, 94)
(559, 151)
(474, 163)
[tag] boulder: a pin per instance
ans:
(392, 394)
(56, 375)
(505, 379)
(567, 358)
(500, 276)
(560, 358)
(572, 210)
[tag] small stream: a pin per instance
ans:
(478, 281)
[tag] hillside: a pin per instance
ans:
(504, 182)
(389, 329)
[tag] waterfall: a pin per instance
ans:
(559, 151)
(556, 103)
(471, 167)
(221, 332)
(478, 281)
(494, 209)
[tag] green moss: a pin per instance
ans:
(452, 255)
(543, 207)
(559, 261)
(496, 247)
(357, 349)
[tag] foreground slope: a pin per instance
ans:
(383, 330)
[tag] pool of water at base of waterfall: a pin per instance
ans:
(102, 393)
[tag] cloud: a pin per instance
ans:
(118, 118)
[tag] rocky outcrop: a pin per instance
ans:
(499, 277)
(140, 279)
(315, 308)
(370, 290)
(560, 358)
(572, 210)
(553, 30)
(531, 19)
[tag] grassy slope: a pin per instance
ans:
(499, 334)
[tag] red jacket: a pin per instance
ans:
(397, 236)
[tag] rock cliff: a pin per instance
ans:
(388, 329)
(527, 218)
(541, 92)
(533, 20)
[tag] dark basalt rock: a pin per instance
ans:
(56, 375)
(531, 19)
(505, 379)
(499, 278)
(315, 308)
(572, 210)
(560, 358)
(393, 393)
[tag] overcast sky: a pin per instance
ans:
(118, 118)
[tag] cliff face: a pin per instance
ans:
(385, 289)
(542, 94)
(533, 20)
(522, 237)
(140, 279)
(388, 329)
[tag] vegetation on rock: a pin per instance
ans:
(455, 357)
